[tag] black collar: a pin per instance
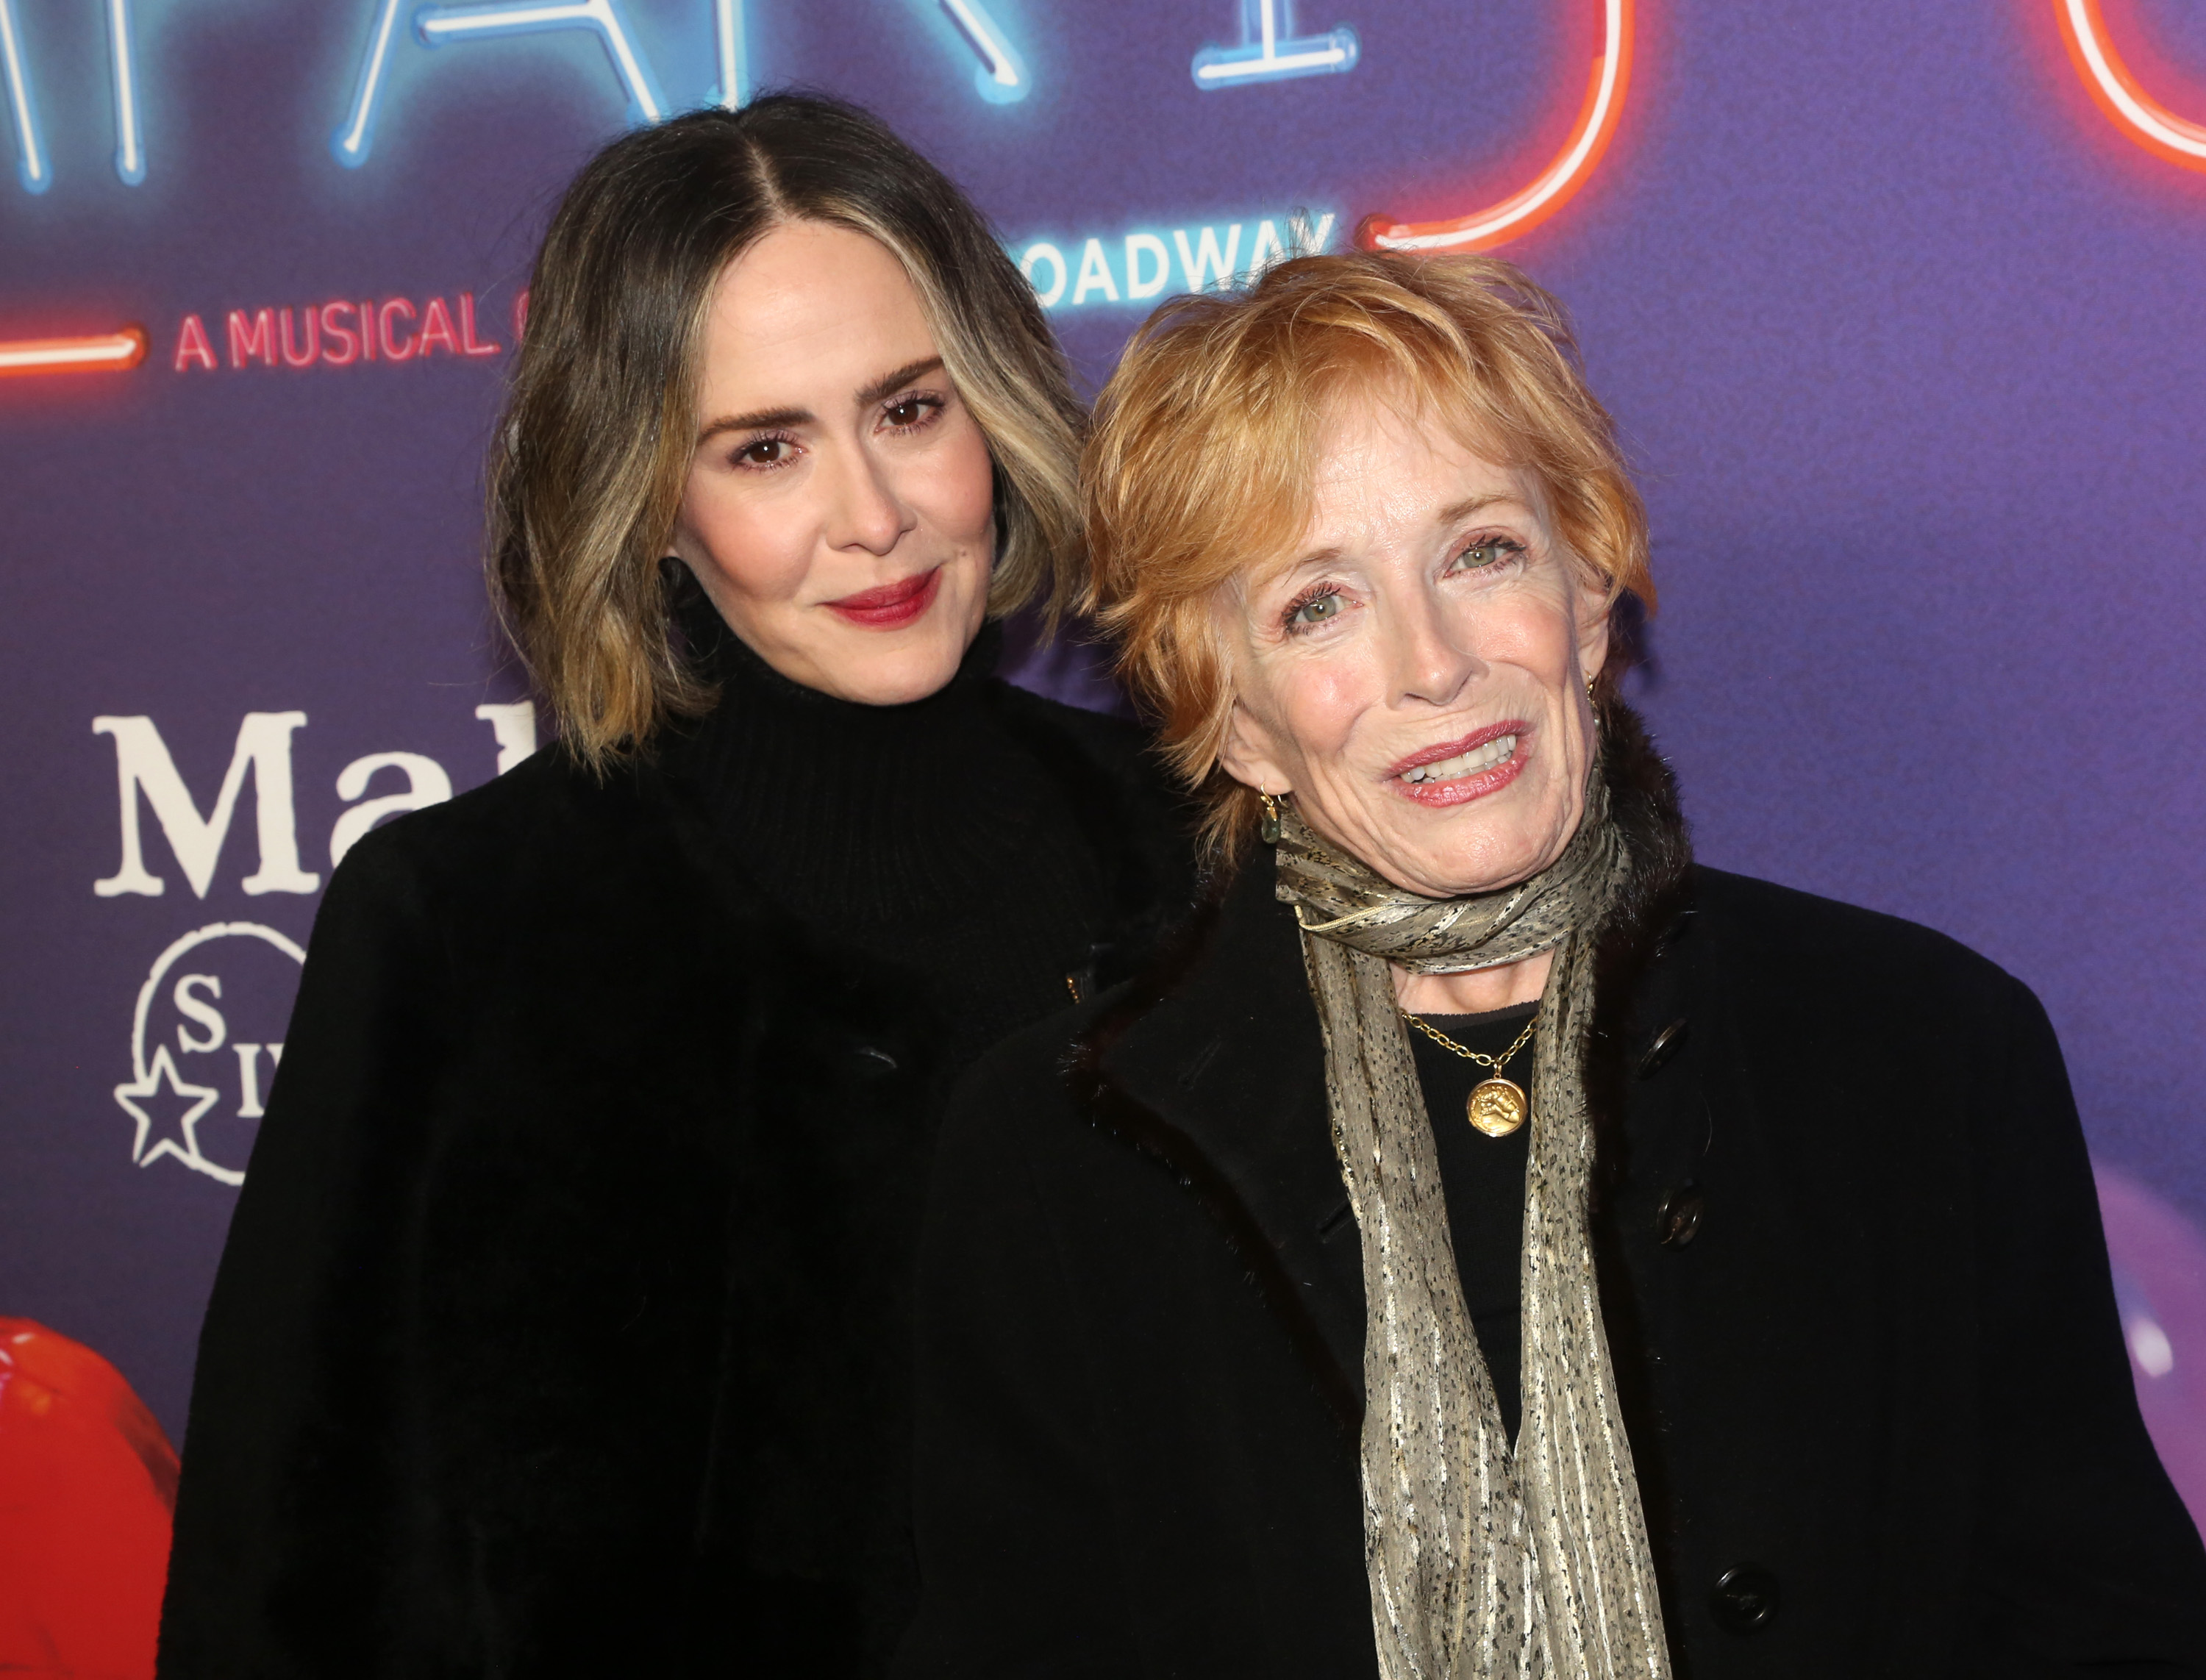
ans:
(1213, 1065)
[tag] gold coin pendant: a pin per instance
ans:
(1498, 1107)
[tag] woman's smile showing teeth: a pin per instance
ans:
(1454, 772)
(1463, 764)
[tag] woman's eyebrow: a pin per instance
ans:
(758, 420)
(904, 375)
(1470, 504)
(762, 420)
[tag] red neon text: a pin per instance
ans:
(337, 334)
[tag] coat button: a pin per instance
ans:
(1662, 1048)
(1678, 1221)
(1745, 1598)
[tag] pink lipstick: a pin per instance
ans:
(1455, 772)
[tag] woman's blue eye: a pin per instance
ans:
(1487, 551)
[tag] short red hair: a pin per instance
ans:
(1205, 453)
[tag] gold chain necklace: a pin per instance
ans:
(1497, 1106)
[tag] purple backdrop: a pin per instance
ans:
(1902, 327)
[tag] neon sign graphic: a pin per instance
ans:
(1206, 262)
(31, 168)
(123, 61)
(350, 143)
(436, 25)
(102, 352)
(1263, 57)
(2137, 113)
(1001, 79)
(728, 44)
(1554, 186)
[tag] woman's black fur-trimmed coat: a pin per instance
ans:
(1852, 1272)
(563, 1327)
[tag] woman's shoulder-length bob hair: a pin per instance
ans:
(587, 475)
(1203, 458)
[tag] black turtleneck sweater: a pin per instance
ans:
(939, 836)
(565, 1321)
(970, 862)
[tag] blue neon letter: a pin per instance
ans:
(437, 25)
(734, 86)
(1268, 55)
(1000, 76)
(31, 168)
(351, 142)
(122, 64)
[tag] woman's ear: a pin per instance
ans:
(1595, 612)
(1246, 754)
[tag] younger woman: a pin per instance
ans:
(562, 1326)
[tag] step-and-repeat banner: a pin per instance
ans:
(1898, 304)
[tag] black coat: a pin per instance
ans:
(1875, 1382)
(563, 1324)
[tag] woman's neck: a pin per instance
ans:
(1479, 992)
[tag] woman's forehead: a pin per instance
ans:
(1381, 463)
(1386, 418)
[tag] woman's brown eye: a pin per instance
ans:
(905, 414)
(764, 453)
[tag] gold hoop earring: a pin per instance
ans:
(1268, 829)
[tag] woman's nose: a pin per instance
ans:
(864, 510)
(1424, 661)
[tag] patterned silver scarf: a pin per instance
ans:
(1530, 1566)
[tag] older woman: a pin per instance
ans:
(563, 1326)
(1496, 1246)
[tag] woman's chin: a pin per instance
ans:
(873, 667)
(894, 682)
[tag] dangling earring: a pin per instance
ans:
(1267, 831)
(1593, 705)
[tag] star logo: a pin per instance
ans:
(205, 1043)
(177, 1133)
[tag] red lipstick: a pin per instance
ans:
(893, 606)
(1462, 789)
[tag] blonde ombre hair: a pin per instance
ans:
(587, 472)
(1203, 457)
